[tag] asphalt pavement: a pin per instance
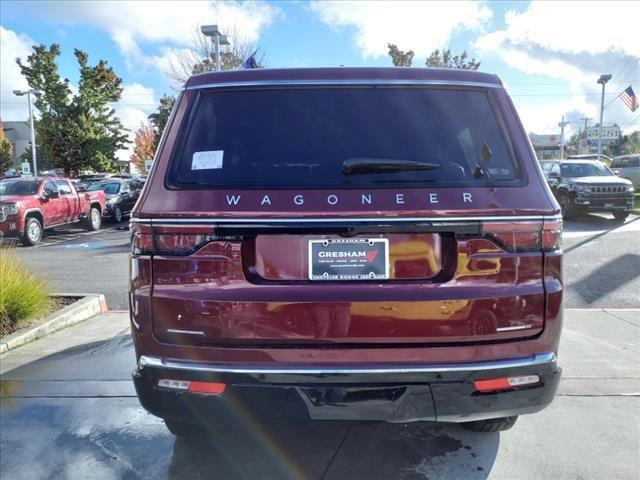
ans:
(602, 262)
(68, 410)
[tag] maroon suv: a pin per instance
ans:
(345, 244)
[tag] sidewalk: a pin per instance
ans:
(68, 401)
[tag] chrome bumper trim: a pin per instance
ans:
(377, 220)
(539, 359)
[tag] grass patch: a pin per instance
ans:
(636, 204)
(23, 296)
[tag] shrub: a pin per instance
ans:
(22, 294)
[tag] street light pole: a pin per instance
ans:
(28, 93)
(217, 39)
(603, 81)
(562, 124)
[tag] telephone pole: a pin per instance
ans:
(562, 124)
(586, 125)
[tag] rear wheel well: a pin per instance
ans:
(34, 214)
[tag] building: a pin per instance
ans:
(546, 146)
(19, 134)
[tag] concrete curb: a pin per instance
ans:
(86, 307)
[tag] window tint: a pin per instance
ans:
(110, 188)
(555, 169)
(301, 137)
(50, 187)
(18, 187)
(63, 187)
(592, 169)
(633, 161)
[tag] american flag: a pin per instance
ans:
(628, 96)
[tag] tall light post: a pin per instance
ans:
(217, 38)
(602, 81)
(562, 124)
(28, 93)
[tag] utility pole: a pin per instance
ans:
(586, 125)
(602, 81)
(562, 124)
(28, 93)
(217, 38)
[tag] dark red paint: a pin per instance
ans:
(251, 297)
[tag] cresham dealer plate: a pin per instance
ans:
(349, 259)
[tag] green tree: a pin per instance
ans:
(77, 131)
(160, 118)
(446, 59)
(400, 58)
(6, 152)
(631, 143)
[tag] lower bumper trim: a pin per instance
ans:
(391, 394)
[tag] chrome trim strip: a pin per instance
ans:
(378, 220)
(304, 83)
(538, 359)
(510, 329)
(185, 332)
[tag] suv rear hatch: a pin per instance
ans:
(344, 216)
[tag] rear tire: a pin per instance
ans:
(491, 424)
(32, 232)
(93, 220)
(184, 429)
(117, 215)
(620, 216)
(568, 211)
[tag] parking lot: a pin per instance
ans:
(602, 262)
(73, 390)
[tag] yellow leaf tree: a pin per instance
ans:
(144, 146)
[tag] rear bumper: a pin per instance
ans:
(392, 394)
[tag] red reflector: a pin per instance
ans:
(505, 383)
(207, 387)
(492, 385)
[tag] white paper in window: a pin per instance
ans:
(210, 160)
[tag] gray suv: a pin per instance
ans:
(628, 166)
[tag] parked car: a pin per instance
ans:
(628, 166)
(583, 186)
(367, 244)
(121, 195)
(28, 206)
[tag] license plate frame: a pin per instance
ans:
(357, 262)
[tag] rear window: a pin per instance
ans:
(300, 138)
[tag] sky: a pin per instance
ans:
(548, 54)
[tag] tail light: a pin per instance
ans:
(169, 240)
(525, 236)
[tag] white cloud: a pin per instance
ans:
(418, 26)
(574, 43)
(12, 45)
(137, 102)
(130, 23)
(564, 26)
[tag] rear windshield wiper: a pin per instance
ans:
(356, 166)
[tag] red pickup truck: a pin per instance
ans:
(28, 206)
